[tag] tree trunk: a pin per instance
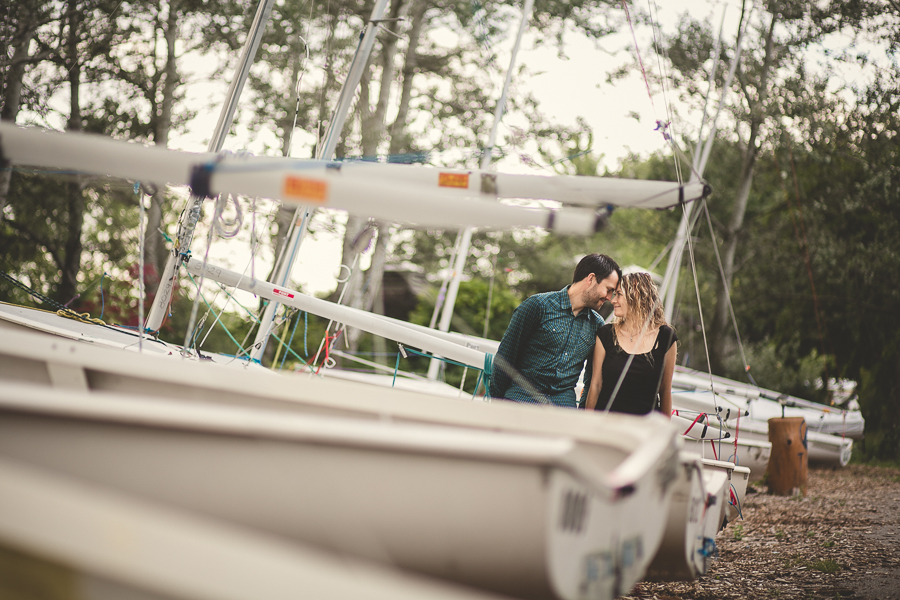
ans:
(12, 96)
(410, 68)
(367, 297)
(372, 125)
(719, 332)
(286, 213)
(155, 251)
(372, 117)
(330, 79)
(71, 256)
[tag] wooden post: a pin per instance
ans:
(789, 460)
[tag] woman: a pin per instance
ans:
(638, 334)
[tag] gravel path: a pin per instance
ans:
(842, 540)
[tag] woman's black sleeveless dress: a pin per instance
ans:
(637, 395)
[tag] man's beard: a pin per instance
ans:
(592, 300)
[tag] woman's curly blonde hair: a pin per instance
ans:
(643, 299)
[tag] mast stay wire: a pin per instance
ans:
(678, 154)
(662, 61)
(690, 246)
(694, 168)
(737, 333)
(662, 127)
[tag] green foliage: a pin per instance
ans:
(471, 307)
(778, 368)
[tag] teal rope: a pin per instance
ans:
(218, 320)
(488, 372)
(231, 297)
(396, 368)
(446, 360)
(485, 373)
(242, 350)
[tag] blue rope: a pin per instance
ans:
(290, 341)
(737, 499)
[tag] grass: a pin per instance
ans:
(828, 544)
(826, 566)
(810, 534)
(738, 532)
(779, 535)
(795, 561)
(858, 457)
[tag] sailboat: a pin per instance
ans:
(590, 520)
(525, 501)
(518, 500)
(829, 444)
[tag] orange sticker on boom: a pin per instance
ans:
(307, 190)
(454, 180)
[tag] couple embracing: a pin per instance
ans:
(629, 361)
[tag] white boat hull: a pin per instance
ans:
(681, 555)
(101, 544)
(504, 512)
(824, 449)
(762, 404)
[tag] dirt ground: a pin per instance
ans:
(842, 540)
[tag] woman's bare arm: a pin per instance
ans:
(665, 385)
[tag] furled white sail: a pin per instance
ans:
(408, 194)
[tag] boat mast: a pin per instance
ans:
(465, 236)
(192, 213)
(326, 151)
(670, 280)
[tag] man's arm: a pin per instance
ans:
(593, 388)
(522, 325)
(589, 369)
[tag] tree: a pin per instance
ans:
(774, 59)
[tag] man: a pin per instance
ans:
(550, 336)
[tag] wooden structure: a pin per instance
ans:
(789, 460)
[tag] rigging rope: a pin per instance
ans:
(690, 246)
(662, 59)
(638, 53)
(141, 291)
(254, 248)
(737, 333)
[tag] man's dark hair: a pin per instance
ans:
(599, 264)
